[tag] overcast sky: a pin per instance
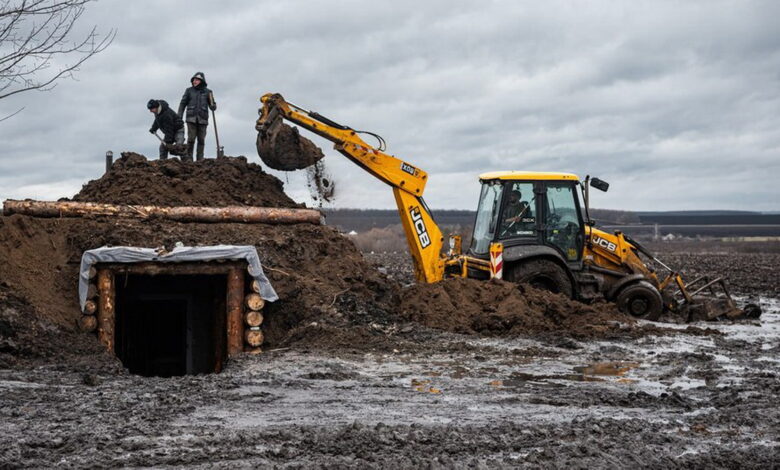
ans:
(676, 104)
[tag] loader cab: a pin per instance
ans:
(530, 209)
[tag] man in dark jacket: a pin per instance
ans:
(197, 100)
(169, 123)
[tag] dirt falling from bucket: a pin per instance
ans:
(320, 182)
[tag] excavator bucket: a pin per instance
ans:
(711, 300)
(281, 147)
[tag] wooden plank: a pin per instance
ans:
(235, 311)
(106, 308)
(157, 268)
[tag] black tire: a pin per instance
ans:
(542, 274)
(640, 300)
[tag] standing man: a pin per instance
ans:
(197, 100)
(169, 123)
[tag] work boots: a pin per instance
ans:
(201, 147)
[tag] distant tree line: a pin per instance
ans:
(362, 220)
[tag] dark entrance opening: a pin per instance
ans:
(168, 325)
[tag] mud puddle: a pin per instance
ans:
(675, 385)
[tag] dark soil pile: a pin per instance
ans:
(213, 182)
(26, 337)
(499, 308)
(320, 276)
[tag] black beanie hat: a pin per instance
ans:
(152, 104)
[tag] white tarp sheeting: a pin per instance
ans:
(132, 254)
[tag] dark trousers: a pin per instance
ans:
(178, 138)
(196, 130)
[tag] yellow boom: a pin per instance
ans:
(408, 182)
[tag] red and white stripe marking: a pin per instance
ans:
(497, 260)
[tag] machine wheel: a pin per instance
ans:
(641, 300)
(542, 274)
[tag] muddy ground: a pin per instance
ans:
(361, 368)
(414, 397)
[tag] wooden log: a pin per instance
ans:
(90, 307)
(92, 291)
(88, 323)
(255, 286)
(92, 272)
(235, 310)
(253, 301)
(253, 318)
(254, 337)
(106, 313)
(157, 269)
(230, 214)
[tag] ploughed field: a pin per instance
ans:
(398, 393)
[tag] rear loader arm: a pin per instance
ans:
(408, 182)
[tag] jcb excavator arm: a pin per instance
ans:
(408, 182)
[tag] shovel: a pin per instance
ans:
(220, 149)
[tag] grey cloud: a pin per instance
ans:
(675, 103)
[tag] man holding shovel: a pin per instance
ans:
(197, 100)
(170, 124)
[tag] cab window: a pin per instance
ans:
(563, 228)
(518, 219)
(487, 216)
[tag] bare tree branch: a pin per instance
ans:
(12, 114)
(36, 36)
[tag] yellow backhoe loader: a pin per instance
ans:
(531, 227)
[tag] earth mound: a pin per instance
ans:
(228, 181)
(317, 272)
(331, 296)
(320, 275)
(498, 308)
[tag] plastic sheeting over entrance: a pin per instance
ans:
(180, 254)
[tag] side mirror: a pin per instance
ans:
(599, 184)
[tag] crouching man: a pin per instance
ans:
(169, 123)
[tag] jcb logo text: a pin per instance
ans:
(604, 244)
(419, 227)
